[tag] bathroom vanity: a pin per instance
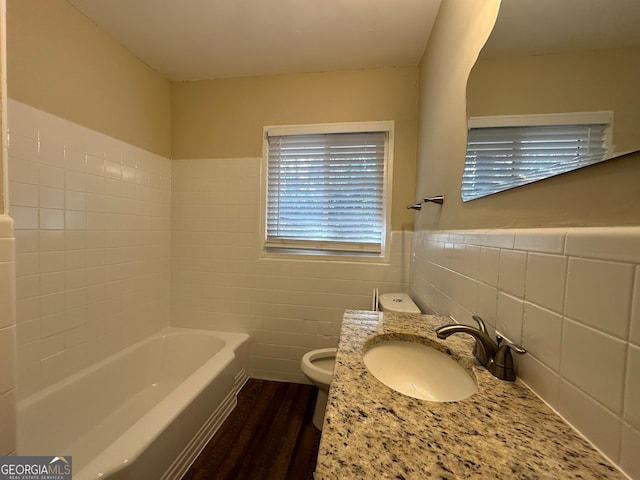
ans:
(502, 431)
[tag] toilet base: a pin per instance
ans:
(321, 406)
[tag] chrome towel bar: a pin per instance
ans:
(439, 199)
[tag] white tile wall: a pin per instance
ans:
(511, 273)
(543, 330)
(599, 294)
(92, 244)
(220, 281)
(546, 277)
(630, 449)
(632, 388)
(509, 316)
(593, 420)
(7, 338)
(595, 363)
(96, 222)
(571, 297)
(635, 311)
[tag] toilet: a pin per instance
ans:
(397, 303)
(318, 365)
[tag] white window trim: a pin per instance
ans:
(387, 126)
(537, 119)
(604, 117)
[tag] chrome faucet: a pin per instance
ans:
(492, 355)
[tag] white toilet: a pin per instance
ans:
(318, 365)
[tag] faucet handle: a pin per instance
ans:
(480, 323)
(502, 366)
(515, 348)
(483, 328)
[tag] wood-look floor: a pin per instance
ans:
(268, 436)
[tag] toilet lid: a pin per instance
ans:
(397, 302)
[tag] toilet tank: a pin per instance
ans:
(397, 303)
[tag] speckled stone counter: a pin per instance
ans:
(503, 431)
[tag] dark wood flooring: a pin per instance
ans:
(268, 436)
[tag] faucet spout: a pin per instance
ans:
(488, 349)
(495, 357)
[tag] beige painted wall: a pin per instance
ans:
(460, 30)
(606, 194)
(600, 195)
(3, 101)
(62, 63)
(224, 118)
(570, 82)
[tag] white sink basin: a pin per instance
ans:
(419, 371)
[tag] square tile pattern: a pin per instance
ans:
(571, 297)
(113, 242)
(8, 367)
(92, 259)
(220, 279)
(105, 231)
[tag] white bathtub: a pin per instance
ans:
(145, 412)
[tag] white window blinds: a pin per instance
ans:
(326, 191)
(499, 158)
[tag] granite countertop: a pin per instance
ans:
(503, 431)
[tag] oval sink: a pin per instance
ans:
(419, 371)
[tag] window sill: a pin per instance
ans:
(323, 255)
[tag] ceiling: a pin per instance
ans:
(200, 39)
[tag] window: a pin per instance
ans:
(506, 152)
(327, 188)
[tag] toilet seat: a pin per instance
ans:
(318, 365)
(315, 371)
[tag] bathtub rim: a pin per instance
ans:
(148, 428)
(169, 330)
